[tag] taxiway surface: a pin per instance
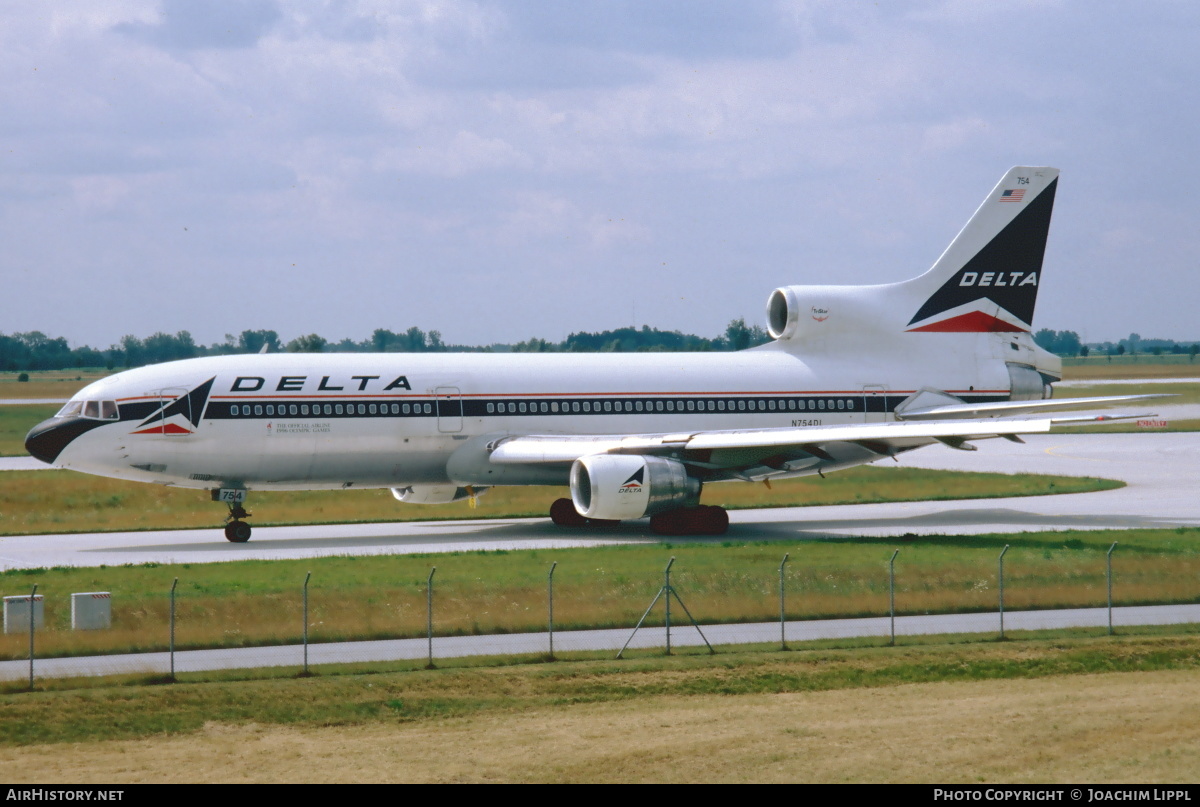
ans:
(1162, 472)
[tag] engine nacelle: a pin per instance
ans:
(624, 486)
(805, 312)
(435, 494)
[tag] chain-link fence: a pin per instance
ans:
(543, 610)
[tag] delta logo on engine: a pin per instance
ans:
(635, 482)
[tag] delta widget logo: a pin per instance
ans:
(635, 483)
(178, 416)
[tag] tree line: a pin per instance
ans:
(37, 351)
(1068, 343)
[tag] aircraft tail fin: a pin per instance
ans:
(988, 278)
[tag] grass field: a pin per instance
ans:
(259, 602)
(1173, 366)
(48, 383)
(1059, 708)
(15, 422)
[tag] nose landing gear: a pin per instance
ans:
(236, 530)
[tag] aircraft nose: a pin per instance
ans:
(47, 440)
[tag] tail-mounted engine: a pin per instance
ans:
(626, 486)
(804, 312)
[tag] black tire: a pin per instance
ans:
(668, 523)
(716, 520)
(564, 514)
(237, 532)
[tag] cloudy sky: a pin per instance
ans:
(502, 170)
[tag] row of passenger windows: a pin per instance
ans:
(316, 410)
(687, 405)
(476, 409)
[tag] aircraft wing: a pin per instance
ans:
(762, 453)
(1010, 408)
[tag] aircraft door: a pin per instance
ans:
(449, 409)
(874, 403)
(172, 402)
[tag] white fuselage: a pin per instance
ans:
(313, 421)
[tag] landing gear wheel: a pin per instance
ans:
(702, 520)
(237, 532)
(564, 514)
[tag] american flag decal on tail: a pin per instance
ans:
(1013, 195)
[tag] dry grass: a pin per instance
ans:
(1122, 728)
(48, 383)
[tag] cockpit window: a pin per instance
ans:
(96, 410)
(72, 408)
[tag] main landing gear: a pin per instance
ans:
(564, 514)
(236, 530)
(702, 520)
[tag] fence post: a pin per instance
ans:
(1001, 576)
(550, 600)
(667, 589)
(892, 596)
(782, 609)
(173, 585)
(429, 615)
(32, 597)
(1109, 576)
(306, 578)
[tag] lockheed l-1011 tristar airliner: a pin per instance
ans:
(855, 374)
